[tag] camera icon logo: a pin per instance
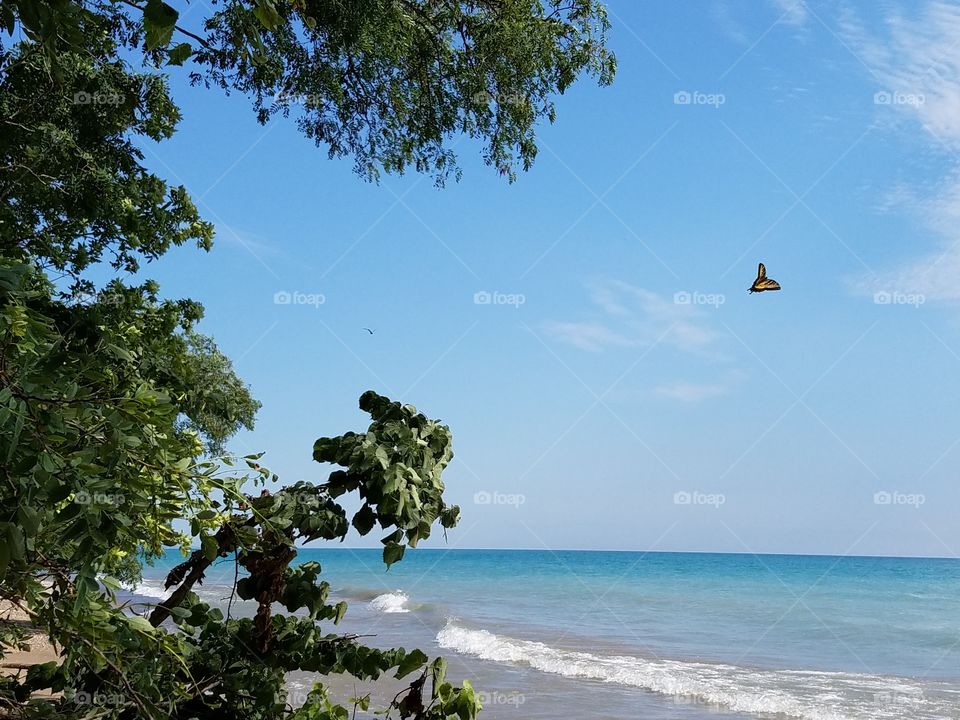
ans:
(482, 498)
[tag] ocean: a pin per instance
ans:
(658, 636)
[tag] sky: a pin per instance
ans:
(586, 332)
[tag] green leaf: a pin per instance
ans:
(12, 537)
(29, 519)
(209, 546)
(159, 21)
(414, 660)
(116, 350)
(42, 675)
(438, 671)
(393, 537)
(364, 519)
(4, 558)
(141, 623)
(392, 553)
(110, 582)
(178, 54)
(267, 14)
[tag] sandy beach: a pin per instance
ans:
(40, 649)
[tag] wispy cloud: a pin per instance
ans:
(629, 316)
(916, 63)
(228, 236)
(735, 19)
(588, 336)
(793, 12)
(728, 23)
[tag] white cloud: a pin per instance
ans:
(631, 316)
(792, 12)
(588, 336)
(729, 25)
(916, 57)
(916, 64)
(225, 235)
(935, 275)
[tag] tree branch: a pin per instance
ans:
(176, 27)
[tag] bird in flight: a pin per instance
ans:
(763, 282)
(372, 331)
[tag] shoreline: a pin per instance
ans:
(40, 650)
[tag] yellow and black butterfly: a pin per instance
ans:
(763, 282)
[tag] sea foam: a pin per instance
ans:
(392, 602)
(146, 589)
(805, 695)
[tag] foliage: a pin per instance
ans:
(73, 189)
(98, 468)
(114, 410)
(389, 83)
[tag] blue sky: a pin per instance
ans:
(622, 390)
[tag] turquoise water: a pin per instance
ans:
(662, 635)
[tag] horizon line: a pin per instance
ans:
(642, 552)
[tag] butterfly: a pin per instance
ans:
(763, 282)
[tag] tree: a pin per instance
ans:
(114, 411)
(388, 82)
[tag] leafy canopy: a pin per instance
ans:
(390, 83)
(114, 410)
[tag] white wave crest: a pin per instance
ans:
(392, 602)
(806, 695)
(147, 589)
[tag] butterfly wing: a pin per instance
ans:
(763, 282)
